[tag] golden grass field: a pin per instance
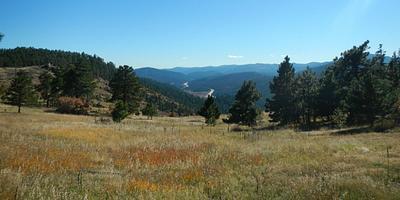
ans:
(44, 155)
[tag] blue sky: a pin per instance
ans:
(169, 33)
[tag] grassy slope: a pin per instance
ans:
(53, 156)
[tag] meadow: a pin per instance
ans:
(44, 155)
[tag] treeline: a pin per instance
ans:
(21, 57)
(357, 89)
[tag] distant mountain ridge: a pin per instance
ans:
(178, 75)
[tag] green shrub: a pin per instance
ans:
(382, 124)
(120, 112)
(339, 118)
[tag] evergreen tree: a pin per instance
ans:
(85, 82)
(376, 88)
(120, 112)
(20, 91)
(392, 99)
(1, 36)
(57, 83)
(45, 86)
(243, 110)
(348, 71)
(150, 110)
(77, 80)
(282, 107)
(306, 97)
(126, 88)
(327, 100)
(210, 111)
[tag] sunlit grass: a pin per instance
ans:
(53, 156)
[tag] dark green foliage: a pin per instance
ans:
(243, 110)
(21, 90)
(210, 111)
(1, 36)
(78, 81)
(150, 110)
(306, 97)
(45, 86)
(282, 106)
(3, 90)
(348, 71)
(125, 87)
(120, 111)
(20, 57)
(356, 89)
(327, 100)
(224, 101)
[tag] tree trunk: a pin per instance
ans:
(19, 108)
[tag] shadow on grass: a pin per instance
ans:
(353, 131)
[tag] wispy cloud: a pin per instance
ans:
(234, 56)
(351, 14)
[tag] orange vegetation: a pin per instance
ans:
(51, 160)
(157, 157)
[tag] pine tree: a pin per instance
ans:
(126, 88)
(348, 72)
(120, 112)
(376, 88)
(306, 97)
(1, 36)
(20, 91)
(392, 99)
(78, 80)
(150, 110)
(327, 100)
(282, 107)
(85, 82)
(45, 86)
(210, 111)
(244, 110)
(57, 83)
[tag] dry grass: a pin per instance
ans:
(51, 156)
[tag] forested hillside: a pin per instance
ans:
(169, 98)
(70, 68)
(22, 57)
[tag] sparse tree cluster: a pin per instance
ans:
(358, 88)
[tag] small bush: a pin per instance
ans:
(339, 118)
(382, 124)
(72, 105)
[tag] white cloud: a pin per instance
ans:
(234, 57)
